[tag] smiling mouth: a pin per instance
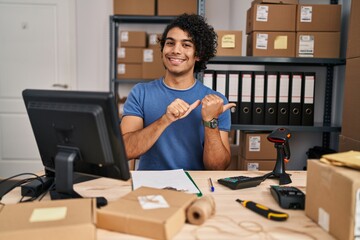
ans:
(176, 61)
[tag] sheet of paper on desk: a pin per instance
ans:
(172, 179)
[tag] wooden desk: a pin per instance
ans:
(230, 215)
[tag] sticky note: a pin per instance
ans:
(48, 214)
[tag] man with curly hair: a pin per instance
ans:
(176, 122)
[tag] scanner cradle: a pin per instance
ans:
(281, 138)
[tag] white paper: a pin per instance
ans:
(175, 179)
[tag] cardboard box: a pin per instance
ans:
(256, 165)
(254, 145)
(129, 71)
(132, 39)
(351, 104)
(56, 220)
(353, 46)
(318, 18)
(130, 55)
(348, 144)
(332, 197)
(271, 17)
(127, 215)
(275, 1)
(271, 44)
(318, 44)
(176, 7)
(153, 40)
(134, 7)
(234, 149)
(152, 67)
(229, 43)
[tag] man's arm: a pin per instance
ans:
(216, 150)
(139, 140)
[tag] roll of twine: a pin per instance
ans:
(200, 210)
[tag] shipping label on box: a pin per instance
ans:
(306, 46)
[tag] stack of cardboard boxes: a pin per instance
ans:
(256, 152)
(350, 131)
(139, 56)
(284, 28)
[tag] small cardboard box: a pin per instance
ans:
(254, 145)
(56, 220)
(353, 46)
(152, 66)
(129, 55)
(318, 44)
(176, 7)
(229, 43)
(134, 7)
(351, 104)
(256, 165)
(129, 70)
(271, 17)
(333, 199)
(132, 39)
(318, 18)
(128, 216)
(271, 44)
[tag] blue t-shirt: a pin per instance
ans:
(181, 145)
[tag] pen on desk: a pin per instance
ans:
(264, 211)
(211, 185)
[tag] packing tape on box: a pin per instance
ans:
(200, 210)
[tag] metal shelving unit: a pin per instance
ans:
(326, 126)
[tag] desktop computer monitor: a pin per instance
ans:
(76, 132)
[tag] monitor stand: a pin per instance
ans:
(64, 177)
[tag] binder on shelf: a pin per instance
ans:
(258, 98)
(308, 99)
(270, 108)
(220, 82)
(283, 99)
(209, 79)
(295, 99)
(233, 94)
(245, 104)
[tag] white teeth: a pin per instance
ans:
(176, 60)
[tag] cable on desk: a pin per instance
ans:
(20, 182)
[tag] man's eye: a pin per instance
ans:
(169, 43)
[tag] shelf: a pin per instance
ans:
(315, 128)
(279, 60)
(142, 19)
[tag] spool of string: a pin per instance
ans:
(200, 210)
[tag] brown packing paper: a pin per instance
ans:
(349, 159)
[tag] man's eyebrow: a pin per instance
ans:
(183, 40)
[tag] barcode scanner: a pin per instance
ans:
(281, 138)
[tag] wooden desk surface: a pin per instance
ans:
(231, 220)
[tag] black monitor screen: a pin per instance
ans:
(79, 132)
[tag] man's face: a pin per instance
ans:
(179, 52)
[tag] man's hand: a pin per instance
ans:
(213, 106)
(179, 109)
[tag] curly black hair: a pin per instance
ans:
(202, 34)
